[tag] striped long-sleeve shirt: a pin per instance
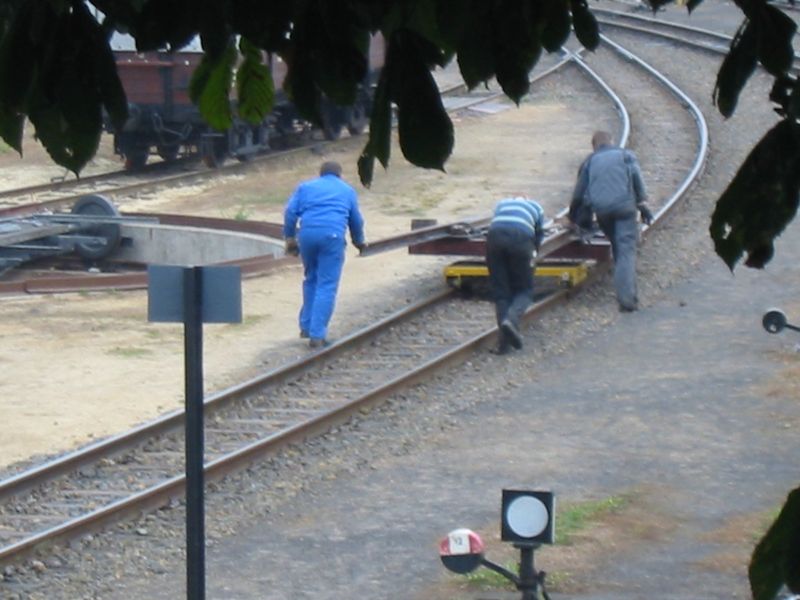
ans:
(521, 213)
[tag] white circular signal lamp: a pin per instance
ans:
(527, 516)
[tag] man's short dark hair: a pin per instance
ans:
(331, 167)
(601, 138)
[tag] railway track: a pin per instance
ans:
(697, 38)
(120, 184)
(142, 468)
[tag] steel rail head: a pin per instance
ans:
(702, 127)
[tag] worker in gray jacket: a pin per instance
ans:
(610, 185)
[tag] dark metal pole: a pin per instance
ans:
(193, 356)
(528, 582)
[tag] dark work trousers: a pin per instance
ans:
(622, 230)
(509, 255)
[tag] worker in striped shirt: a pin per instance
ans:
(515, 234)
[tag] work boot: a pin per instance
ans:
(512, 333)
(318, 343)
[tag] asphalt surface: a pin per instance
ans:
(688, 403)
(674, 399)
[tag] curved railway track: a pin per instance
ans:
(142, 468)
(119, 184)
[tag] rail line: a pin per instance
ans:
(695, 37)
(142, 468)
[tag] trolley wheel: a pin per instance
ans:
(97, 205)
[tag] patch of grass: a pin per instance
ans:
(242, 213)
(574, 518)
(486, 579)
(129, 352)
(570, 519)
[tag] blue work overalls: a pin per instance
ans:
(325, 208)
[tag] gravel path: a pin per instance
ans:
(682, 414)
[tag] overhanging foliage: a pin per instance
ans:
(57, 71)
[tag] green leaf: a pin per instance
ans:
(451, 19)
(556, 22)
(165, 23)
(424, 128)
(738, 65)
(18, 59)
(516, 48)
(379, 144)
(264, 23)
(12, 127)
(105, 77)
(254, 86)
(776, 558)
(380, 128)
(692, 4)
(214, 95)
(366, 168)
(475, 52)
(760, 201)
(300, 86)
(775, 33)
(585, 25)
(655, 5)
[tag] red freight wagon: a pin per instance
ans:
(164, 121)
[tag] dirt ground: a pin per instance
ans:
(83, 366)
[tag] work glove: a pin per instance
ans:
(647, 216)
(361, 246)
(291, 247)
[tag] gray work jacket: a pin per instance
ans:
(609, 180)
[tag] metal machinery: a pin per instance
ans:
(565, 259)
(91, 230)
(164, 121)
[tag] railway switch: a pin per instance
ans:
(527, 520)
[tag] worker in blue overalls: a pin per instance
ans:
(325, 208)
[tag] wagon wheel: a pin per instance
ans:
(357, 119)
(136, 158)
(100, 206)
(168, 153)
(215, 151)
(331, 124)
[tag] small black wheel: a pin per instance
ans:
(96, 205)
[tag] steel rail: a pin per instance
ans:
(653, 25)
(694, 110)
(244, 455)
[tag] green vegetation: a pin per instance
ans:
(570, 520)
(130, 352)
(573, 519)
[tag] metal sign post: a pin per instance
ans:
(193, 296)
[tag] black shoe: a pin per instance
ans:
(318, 343)
(627, 309)
(304, 334)
(500, 349)
(512, 333)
